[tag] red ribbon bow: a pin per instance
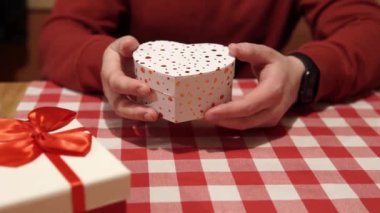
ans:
(23, 141)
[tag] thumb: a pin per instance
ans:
(125, 45)
(253, 53)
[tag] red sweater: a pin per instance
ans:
(346, 34)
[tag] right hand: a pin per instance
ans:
(118, 82)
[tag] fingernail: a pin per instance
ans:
(149, 117)
(143, 90)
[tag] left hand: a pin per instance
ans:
(119, 84)
(279, 79)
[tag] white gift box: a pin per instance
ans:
(186, 79)
(38, 186)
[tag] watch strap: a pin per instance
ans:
(310, 80)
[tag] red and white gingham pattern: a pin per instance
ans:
(324, 158)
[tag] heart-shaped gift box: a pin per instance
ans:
(186, 79)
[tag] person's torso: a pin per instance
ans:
(261, 21)
(267, 22)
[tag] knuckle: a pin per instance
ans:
(266, 49)
(112, 85)
(124, 112)
(125, 109)
(119, 107)
(132, 86)
(117, 110)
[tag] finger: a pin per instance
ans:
(112, 63)
(265, 95)
(254, 53)
(234, 109)
(125, 46)
(120, 51)
(126, 109)
(122, 84)
(265, 118)
(112, 69)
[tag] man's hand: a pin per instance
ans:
(279, 80)
(118, 85)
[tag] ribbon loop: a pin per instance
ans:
(50, 118)
(70, 142)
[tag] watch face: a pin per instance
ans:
(309, 90)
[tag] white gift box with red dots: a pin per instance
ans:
(186, 79)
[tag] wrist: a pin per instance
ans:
(309, 83)
(297, 70)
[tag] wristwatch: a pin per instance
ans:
(310, 80)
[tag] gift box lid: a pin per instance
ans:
(39, 187)
(166, 65)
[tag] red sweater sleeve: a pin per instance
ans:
(80, 31)
(346, 46)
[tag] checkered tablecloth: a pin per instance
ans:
(320, 159)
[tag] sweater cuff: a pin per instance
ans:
(89, 62)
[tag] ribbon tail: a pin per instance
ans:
(77, 188)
